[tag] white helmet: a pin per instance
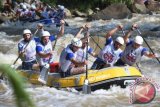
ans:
(26, 31)
(76, 42)
(33, 7)
(24, 6)
(138, 40)
(39, 24)
(120, 40)
(61, 7)
(45, 33)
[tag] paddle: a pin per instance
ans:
(95, 42)
(147, 43)
(86, 87)
(43, 76)
(44, 73)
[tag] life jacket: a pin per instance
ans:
(109, 55)
(64, 63)
(46, 49)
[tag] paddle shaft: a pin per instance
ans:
(95, 42)
(147, 44)
(86, 87)
(87, 55)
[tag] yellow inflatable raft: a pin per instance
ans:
(98, 79)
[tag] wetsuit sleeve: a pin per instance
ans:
(129, 42)
(143, 51)
(52, 38)
(109, 41)
(69, 56)
(20, 47)
(36, 39)
(90, 50)
(38, 49)
(120, 55)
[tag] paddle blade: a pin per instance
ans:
(86, 87)
(44, 74)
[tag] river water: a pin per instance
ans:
(42, 96)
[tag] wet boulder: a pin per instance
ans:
(68, 13)
(77, 13)
(153, 5)
(114, 11)
(156, 29)
(140, 8)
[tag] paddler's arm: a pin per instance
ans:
(94, 54)
(113, 31)
(134, 26)
(84, 27)
(61, 32)
(76, 63)
(149, 55)
(79, 32)
(41, 53)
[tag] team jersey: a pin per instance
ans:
(109, 54)
(41, 48)
(132, 55)
(30, 50)
(81, 54)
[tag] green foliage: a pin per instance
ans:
(50, 2)
(22, 98)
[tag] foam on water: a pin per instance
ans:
(60, 98)
(8, 58)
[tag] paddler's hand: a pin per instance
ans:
(50, 54)
(40, 26)
(62, 22)
(87, 26)
(134, 26)
(22, 55)
(85, 62)
(83, 27)
(120, 27)
(157, 55)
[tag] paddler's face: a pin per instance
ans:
(117, 45)
(84, 44)
(27, 37)
(40, 27)
(45, 39)
(75, 48)
(135, 45)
